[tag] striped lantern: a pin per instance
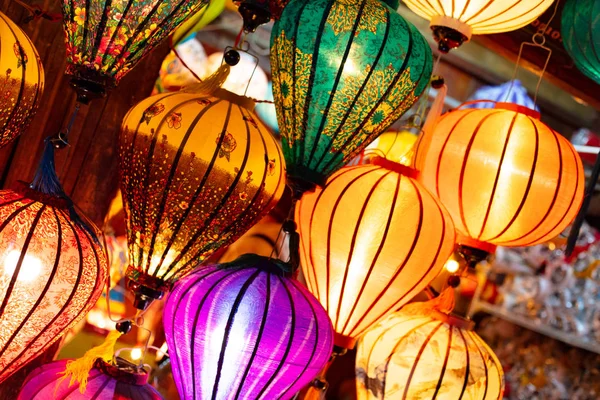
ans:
(504, 176)
(53, 269)
(197, 171)
(244, 329)
(369, 242)
(21, 80)
(580, 32)
(420, 356)
(105, 382)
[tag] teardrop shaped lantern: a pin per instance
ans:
(454, 21)
(370, 241)
(52, 271)
(504, 176)
(343, 72)
(106, 38)
(426, 356)
(106, 381)
(580, 31)
(197, 171)
(245, 329)
(21, 80)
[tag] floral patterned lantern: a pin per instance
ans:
(343, 72)
(106, 38)
(422, 356)
(197, 171)
(53, 269)
(369, 242)
(245, 329)
(21, 80)
(581, 35)
(106, 381)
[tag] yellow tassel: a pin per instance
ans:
(79, 370)
(212, 83)
(444, 303)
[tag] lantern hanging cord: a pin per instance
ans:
(36, 12)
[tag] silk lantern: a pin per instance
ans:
(106, 38)
(369, 242)
(343, 71)
(53, 271)
(21, 82)
(580, 32)
(454, 21)
(426, 356)
(393, 146)
(197, 171)
(505, 177)
(106, 381)
(245, 328)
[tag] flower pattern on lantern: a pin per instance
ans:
(21, 80)
(52, 271)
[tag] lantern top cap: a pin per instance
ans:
(518, 108)
(396, 167)
(453, 320)
(266, 264)
(123, 371)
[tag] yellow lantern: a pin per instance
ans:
(393, 146)
(426, 355)
(454, 21)
(21, 80)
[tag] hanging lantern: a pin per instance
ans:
(408, 356)
(581, 35)
(53, 269)
(343, 72)
(259, 12)
(504, 176)
(454, 21)
(105, 381)
(197, 171)
(245, 328)
(105, 38)
(369, 242)
(393, 146)
(21, 80)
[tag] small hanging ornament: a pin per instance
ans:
(259, 12)
(247, 329)
(343, 72)
(21, 80)
(105, 381)
(580, 32)
(52, 267)
(197, 171)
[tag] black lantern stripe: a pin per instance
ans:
(357, 227)
(228, 326)
(443, 371)
(23, 77)
(107, 380)
(364, 84)
(467, 366)
(86, 27)
(337, 79)
(165, 193)
(99, 31)
(483, 360)
(116, 32)
(376, 257)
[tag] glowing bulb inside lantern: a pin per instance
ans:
(31, 267)
(452, 266)
(136, 353)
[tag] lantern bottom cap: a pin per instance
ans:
(449, 33)
(342, 341)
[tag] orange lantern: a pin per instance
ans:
(21, 80)
(370, 241)
(52, 271)
(504, 176)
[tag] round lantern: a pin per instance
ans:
(106, 38)
(581, 35)
(343, 72)
(420, 357)
(197, 171)
(454, 21)
(245, 329)
(21, 80)
(370, 241)
(393, 146)
(105, 381)
(504, 176)
(53, 269)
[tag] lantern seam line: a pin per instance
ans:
(467, 367)
(445, 365)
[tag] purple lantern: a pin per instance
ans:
(105, 382)
(245, 329)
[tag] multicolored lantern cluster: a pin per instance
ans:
(21, 80)
(370, 241)
(245, 329)
(505, 177)
(197, 171)
(581, 35)
(333, 96)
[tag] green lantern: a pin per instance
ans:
(343, 72)
(581, 35)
